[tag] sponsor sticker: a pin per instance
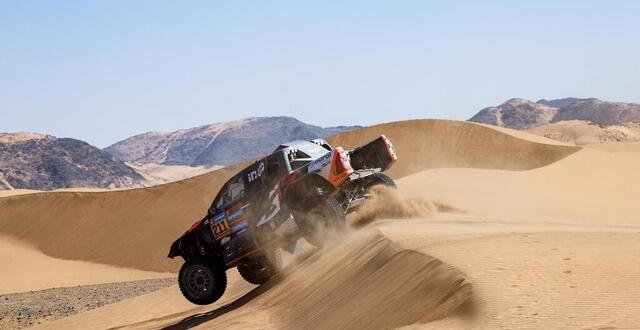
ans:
(239, 226)
(320, 163)
(235, 215)
(218, 217)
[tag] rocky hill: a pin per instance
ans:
(217, 144)
(600, 112)
(524, 114)
(44, 162)
(516, 113)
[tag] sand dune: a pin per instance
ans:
(15, 192)
(417, 289)
(427, 144)
(129, 228)
(588, 187)
(617, 147)
(553, 247)
(536, 276)
(134, 228)
(25, 269)
(582, 132)
(156, 174)
(545, 235)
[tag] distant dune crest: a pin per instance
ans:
(581, 132)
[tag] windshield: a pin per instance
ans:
(312, 149)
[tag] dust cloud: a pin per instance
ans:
(391, 203)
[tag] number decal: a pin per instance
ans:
(220, 229)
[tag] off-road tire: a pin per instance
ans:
(367, 184)
(379, 179)
(259, 270)
(201, 282)
(327, 214)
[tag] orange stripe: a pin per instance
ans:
(240, 219)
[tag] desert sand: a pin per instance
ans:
(617, 147)
(15, 192)
(155, 174)
(24, 268)
(490, 228)
(582, 132)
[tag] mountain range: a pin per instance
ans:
(219, 143)
(524, 114)
(44, 162)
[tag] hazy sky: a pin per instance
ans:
(104, 70)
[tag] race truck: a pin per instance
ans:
(302, 189)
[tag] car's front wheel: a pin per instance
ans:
(201, 282)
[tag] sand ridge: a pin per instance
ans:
(589, 188)
(429, 144)
(582, 132)
(417, 289)
(134, 228)
(24, 268)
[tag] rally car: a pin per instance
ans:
(302, 189)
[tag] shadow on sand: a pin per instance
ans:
(199, 318)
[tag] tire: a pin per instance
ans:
(319, 220)
(369, 183)
(379, 179)
(201, 282)
(260, 270)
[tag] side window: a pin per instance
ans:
(276, 165)
(223, 198)
(298, 158)
(236, 189)
(230, 192)
(219, 201)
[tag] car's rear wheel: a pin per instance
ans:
(201, 282)
(377, 180)
(325, 217)
(366, 186)
(260, 269)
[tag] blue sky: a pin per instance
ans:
(101, 71)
